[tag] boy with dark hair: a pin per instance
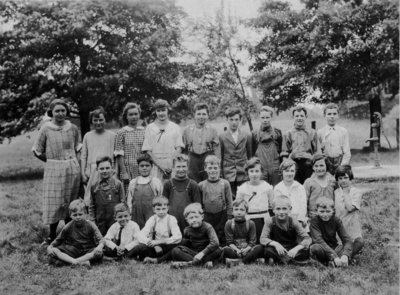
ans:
(106, 192)
(300, 144)
(323, 229)
(236, 149)
(200, 140)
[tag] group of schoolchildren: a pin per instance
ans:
(234, 198)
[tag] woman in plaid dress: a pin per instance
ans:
(129, 143)
(58, 144)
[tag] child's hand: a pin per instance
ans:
(98, 250)
(338, 262)
(153, 243)
(120, 251)
(345, 260)
(238, 251)
(279, 248)
(199, 256)
(246, 250)
(50, 250)
(292, 252)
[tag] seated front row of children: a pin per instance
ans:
(283, 239)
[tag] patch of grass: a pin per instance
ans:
(25, 270)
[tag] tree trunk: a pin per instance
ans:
(85, 124)
(375, 106)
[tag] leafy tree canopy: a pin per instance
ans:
(89, 52)
(342, 49)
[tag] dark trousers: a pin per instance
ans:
(318, 253)
(259, 222)
(256, 252)
(332, 164)
(270, 252)
(304, 170)
(183, 253)
(142, 251)
(217, 220)
(234, 186)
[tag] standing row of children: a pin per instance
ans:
(235, 147)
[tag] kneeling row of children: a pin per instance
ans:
(283, 238)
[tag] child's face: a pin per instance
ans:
(325, 213)
(233, 122)
(144, 168)
(122, 218)
(255, 173)
(282, 210)
(180, 169)
(132, 116)
(162, 114)
(331, 116)
(344, 181)
(201, 117)
(78, 216)
(265, 118)
(213, 171)
(299, 118)
(239, 212)
(161, 210)
(99, 122)
(288, 174)
(194, 219)
(104, 169)
(319, 168)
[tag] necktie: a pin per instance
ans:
(119, 236)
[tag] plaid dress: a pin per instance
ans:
(62, 172)
(129, 144)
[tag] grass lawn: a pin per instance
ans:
(24, 270)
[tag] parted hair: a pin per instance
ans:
(331, 106)
(299, 108)
(128, 106)
(286, 164)
(121, 207)
(101, 159)
(159, 201)
(201, 106)
(325, 203)
(232, 111)
(239, 202)
(211, 159)
(267, 109)
(318, 157)
(54, 103)
(281, 198)
(180, 158)
(253, 162)
(145, 158)
(344, 170)
(96, 113)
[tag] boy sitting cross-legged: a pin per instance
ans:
(80, 241)
(122, 236)
(159, 235)
(241, 237)
(284, 238)
(323, 229)
(200, 243)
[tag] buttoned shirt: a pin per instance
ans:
(335, 142)
(300, 141)
(235, 135)
(165, 228)
(129, 235)
(200, 140)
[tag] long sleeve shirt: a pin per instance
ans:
(239, 234)
(335, 142)
(297, 195)
(216, 196)
(83, 236)
(324, 233)
(129, 235)
(302, 236)
(201, 239)
(200, 141)
(297, 141)
(155, 184)
(165, 228)
(259, 198)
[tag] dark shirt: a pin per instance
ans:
(241, 235)
(83, 236)
(324, 234)
(201, 239)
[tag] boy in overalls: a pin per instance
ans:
(106, 192)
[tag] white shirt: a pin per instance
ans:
(235, 135)
(335, 142)
(165, 228)
(129, 235)
(297, 195)
(259, 198)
